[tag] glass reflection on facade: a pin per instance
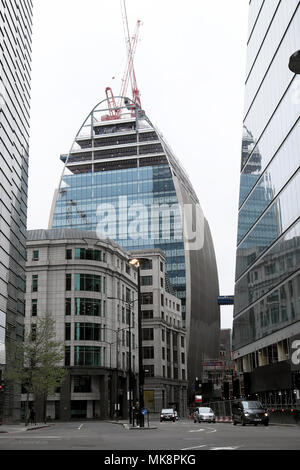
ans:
(268, 247)
(122, 180)
(15, 79)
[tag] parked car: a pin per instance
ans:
(168, 414)
(203, 413)
(249, 412)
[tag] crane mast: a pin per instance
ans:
(115, 109)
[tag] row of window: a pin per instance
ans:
(95, 356)
(147, 299)
(96, 332)
(149, 371)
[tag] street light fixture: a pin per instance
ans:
(137, 263)
(294, 63)
(130, 374)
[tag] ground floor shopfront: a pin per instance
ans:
(162, 393)
(87, 393)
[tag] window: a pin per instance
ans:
(147, 334)
(87, 356)
(146, 264)
(161, 282)
(67, 331)
(68, 254)
(127, 295)
(147, 298)
(162, 267)
(67, 356)
(163, 353)
(182, 358)
(34, 304)
(147, 314)
(88, 307)
(128, 316)
(146, 281)
(68, 281)
(35, 282)
(87, 282)
(149, 370)
(35, 255)
(33, 332)
(87, 332)
(148, 352)
(87, 254)
(68, 306)
(82, 384)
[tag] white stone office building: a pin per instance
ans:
(89, 288)
(15, 79)
(163, 337)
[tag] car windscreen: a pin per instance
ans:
(252, 405)
(169, 410)
(205, 410)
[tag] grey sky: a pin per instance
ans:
(190, 67)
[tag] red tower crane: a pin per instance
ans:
(115, 109)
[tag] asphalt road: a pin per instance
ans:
(183, 435)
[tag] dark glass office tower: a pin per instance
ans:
(15, 74)
(122, 179)
(267, 291)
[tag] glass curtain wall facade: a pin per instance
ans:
(122, 180)
(15, 76)
(267, 290)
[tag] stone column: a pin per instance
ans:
(65, 399)
(104, 414)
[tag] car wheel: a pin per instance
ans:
(243, 423)
(234, 423)
(266, 424)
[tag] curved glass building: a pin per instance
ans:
(122, 180)
(267, 291)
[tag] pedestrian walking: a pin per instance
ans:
(32, 416)
(27, 417)
(137, 413)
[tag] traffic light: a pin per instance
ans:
(198, 385)
(1, 386)
(226, 390)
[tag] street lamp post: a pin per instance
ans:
(130, 374)
(137, 263)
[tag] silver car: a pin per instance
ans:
(203, 413)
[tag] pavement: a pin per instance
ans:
(20, 427)
(129, 426)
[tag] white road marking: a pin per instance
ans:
(30, 437)
(224, 448)
(196, 447)
(80, 426)
(197, 430)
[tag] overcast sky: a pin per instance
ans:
(190, 67)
